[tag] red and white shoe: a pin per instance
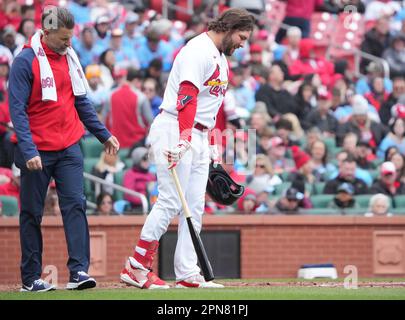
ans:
(198, 281)
(136, 275)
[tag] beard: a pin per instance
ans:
(61, 51)
(228, 47)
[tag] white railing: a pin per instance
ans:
(145, 205)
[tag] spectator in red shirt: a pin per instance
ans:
(129, 113)
(12, 187)
(307, 64)
(299, 15)
(378, 95)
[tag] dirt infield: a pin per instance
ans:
(251, 284)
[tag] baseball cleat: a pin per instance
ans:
(80, 281)
(198, 281)
(136, 275)
(38, 286)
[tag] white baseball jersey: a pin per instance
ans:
(201, 63)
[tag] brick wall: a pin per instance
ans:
(271, 246)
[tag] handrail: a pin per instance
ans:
(145, 205)
(166, 4)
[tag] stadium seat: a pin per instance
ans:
(363, 200)
(284, 176)
(10, 205)
(374, 174)
(89, 163)
(91, 147)
(118, 179)
(330, 143)
(124, 153)
(355, 212)
(398, 211)
(323, 25)
(321, 200)
(279, 189)
(128, 162)
(399, 202)
(318, 188)
(334, 151)
(320, 211)
(376, 163)
(347, 38)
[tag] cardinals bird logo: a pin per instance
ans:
(217, 86)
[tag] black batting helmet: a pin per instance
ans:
(221, 188)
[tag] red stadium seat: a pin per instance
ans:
(347, 37)
(323, 25)
(183, 16)
(156, 5)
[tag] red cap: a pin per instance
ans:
(300, 157)
(275, 142)
(324, 95)
(255, 48)
(398, 110)
(388, 167)
(262, 34)
(120, 73)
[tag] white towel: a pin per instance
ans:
(79, 83)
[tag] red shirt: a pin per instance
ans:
(296, 8)
(55, 125)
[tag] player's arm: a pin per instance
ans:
(187, 109)
(19, 88)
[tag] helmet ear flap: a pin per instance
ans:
(221, 188)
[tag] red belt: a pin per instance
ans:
(200, 127)
(197, 125)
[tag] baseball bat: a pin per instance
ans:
(197, 243)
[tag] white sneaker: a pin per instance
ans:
(198, 281)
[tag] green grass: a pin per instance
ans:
(279, 289)
(240, 293)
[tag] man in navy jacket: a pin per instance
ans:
(47, 136)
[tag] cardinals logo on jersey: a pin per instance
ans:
(217, 86)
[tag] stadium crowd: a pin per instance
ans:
(329, 129)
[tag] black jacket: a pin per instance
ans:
(380, 187)
(332, 186)
(277, 102)
(379, 131)
(326, 124)
(374, 45)
(385, 110)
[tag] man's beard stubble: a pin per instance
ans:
(227, 45)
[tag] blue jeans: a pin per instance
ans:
(66, 167)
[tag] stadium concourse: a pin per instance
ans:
(322, 86)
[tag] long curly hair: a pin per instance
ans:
(231, 20)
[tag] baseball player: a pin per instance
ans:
(179, 138)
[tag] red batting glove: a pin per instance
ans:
(173, 156)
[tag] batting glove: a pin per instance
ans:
(214, 155)
(173, 156)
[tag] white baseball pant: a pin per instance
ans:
(192, 171)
